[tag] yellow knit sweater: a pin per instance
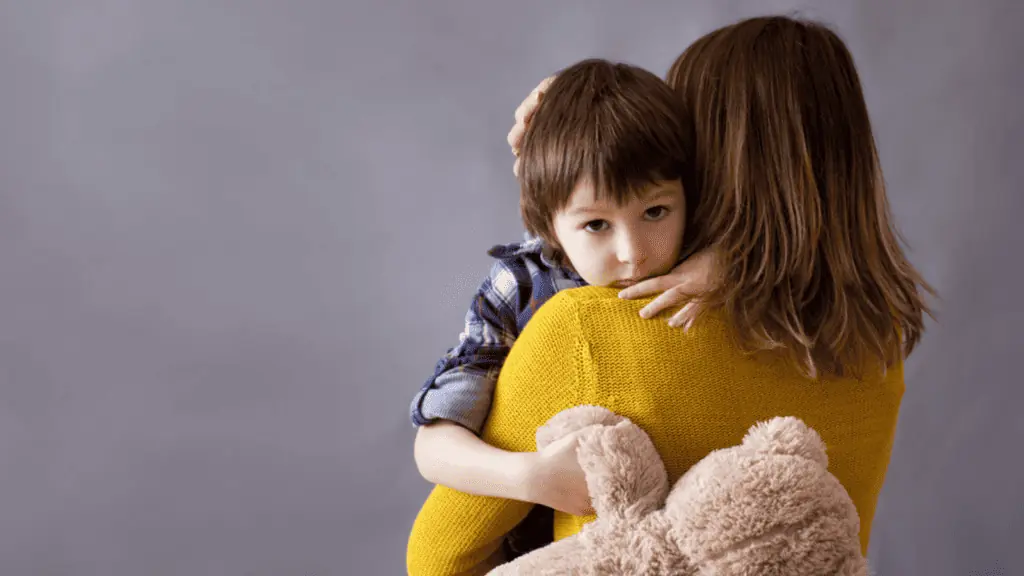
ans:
(691, 392)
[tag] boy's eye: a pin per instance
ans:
(656, 212)
(595, 226)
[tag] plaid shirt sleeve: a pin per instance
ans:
(461, 388)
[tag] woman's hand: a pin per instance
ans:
(523, 115)
(690, 278)
(555, 479)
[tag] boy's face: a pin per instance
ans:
(619, 245)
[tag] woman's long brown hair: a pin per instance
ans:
(793, 198)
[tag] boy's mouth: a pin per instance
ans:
(626, 283)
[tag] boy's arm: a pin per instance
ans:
(452, 406)
(452, 456)
(457, 533)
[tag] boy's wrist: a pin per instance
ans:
(522, 478)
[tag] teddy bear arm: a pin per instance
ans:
(572, 420)
(625, 474)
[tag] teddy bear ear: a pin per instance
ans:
(786, 435)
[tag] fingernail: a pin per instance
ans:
(644, 313)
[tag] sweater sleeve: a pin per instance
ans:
(461, 534)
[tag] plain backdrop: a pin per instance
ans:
(235, 236)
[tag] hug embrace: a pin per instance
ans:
(704, 255)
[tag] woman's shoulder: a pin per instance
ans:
(576, 296)
(597, 315)
(604, 301)
(575, 303)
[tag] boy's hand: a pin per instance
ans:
(523, 115)
(693, 276)
(556, 480)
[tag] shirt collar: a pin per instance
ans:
(530, 244)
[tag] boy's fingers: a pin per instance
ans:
(667, 299)
(683, 317)
(648, 287)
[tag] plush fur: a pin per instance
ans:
(766, 507)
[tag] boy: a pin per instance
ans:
(601, 173)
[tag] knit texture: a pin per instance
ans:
(767, 507)
(691, 392)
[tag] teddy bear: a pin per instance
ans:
(768, 506)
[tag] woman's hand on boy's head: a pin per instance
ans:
(523, 115)
(681, 286)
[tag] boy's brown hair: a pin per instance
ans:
(615, 125)
(793, 197)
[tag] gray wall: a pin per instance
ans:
(236, 235)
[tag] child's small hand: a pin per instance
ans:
(693, 276)
(523, 115)
(556, 480)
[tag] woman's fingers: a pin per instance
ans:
(515, 137)
(523, 115)
(528, 105)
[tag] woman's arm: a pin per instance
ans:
(459, 533)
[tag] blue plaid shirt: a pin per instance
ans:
(522, 279)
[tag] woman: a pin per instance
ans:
(810, 310)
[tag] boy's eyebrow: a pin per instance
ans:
(584, 209)
(659, 194)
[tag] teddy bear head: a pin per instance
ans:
(766, 506)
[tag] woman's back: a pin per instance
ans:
(692, 392)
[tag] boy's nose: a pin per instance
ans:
(630, 251)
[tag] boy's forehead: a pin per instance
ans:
(585, 194)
